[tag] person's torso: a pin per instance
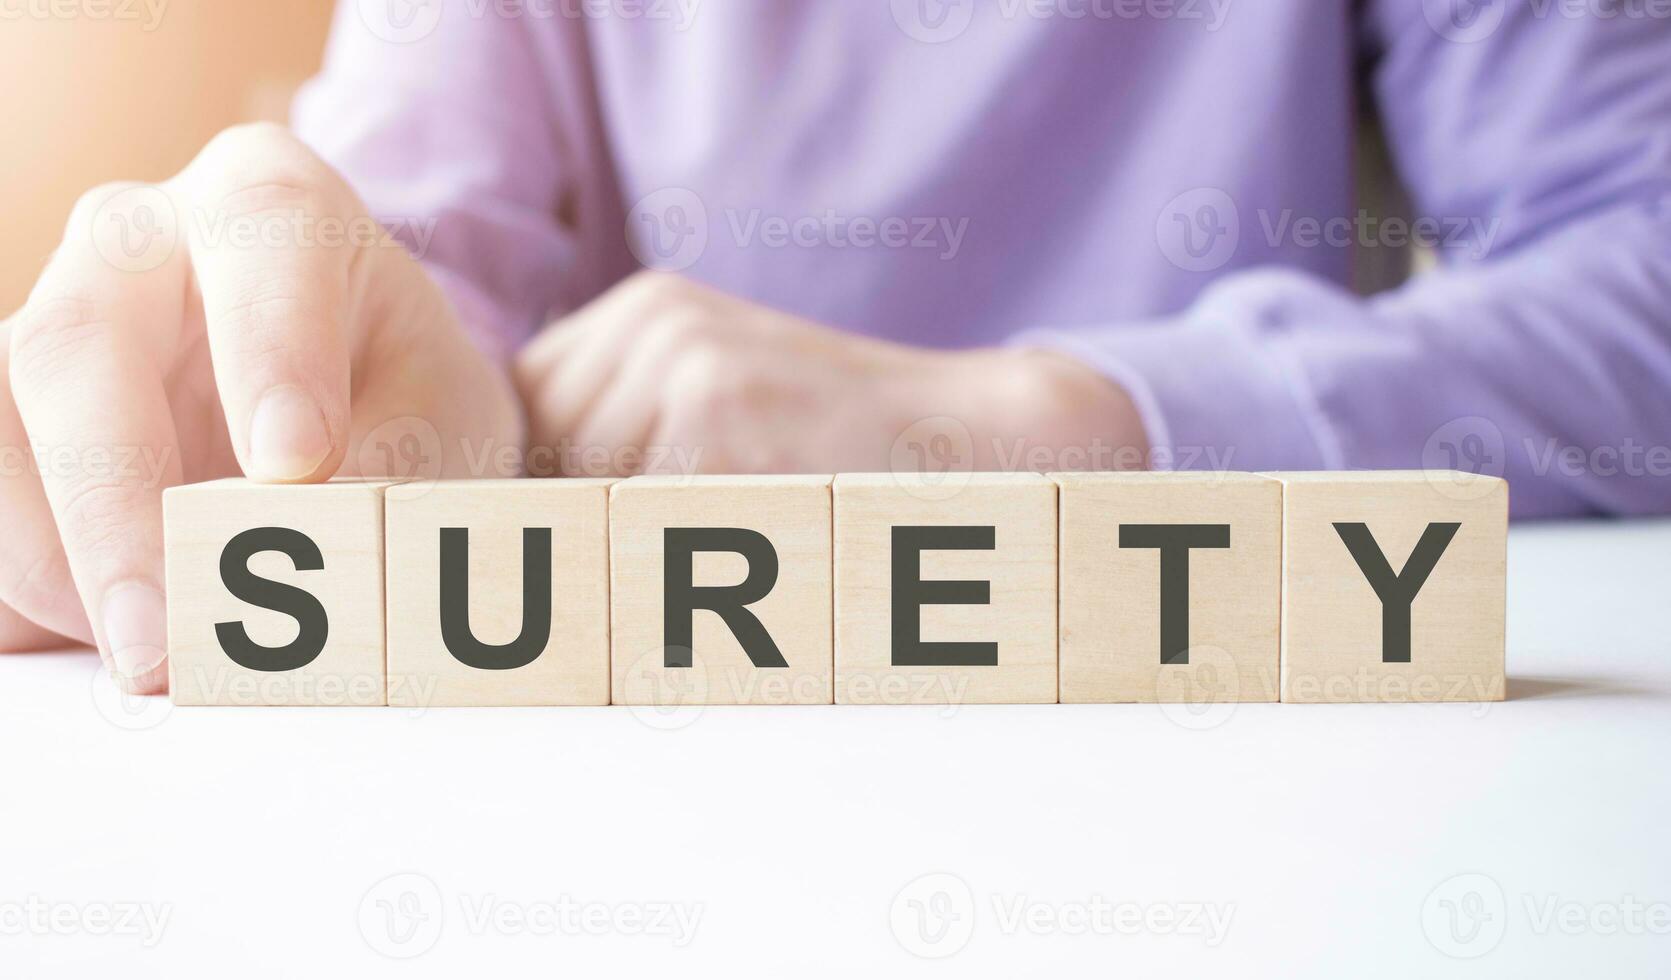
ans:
(947, 172)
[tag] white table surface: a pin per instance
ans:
(541, 841)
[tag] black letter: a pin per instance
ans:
(911, 593)
(1174, 542)
(455, 602)
(257, 591)
(1397, 591)
(681, 599)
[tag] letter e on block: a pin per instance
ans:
(275, 593)
(945, 588)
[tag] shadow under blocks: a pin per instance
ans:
(855, 588)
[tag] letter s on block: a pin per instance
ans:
(257, 591)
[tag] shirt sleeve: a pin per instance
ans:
(1536, 142)
(445, 125)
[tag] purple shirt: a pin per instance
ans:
(1166, 189)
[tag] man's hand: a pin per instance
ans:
(244, 316)
(667, 375)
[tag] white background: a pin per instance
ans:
(1331, 836)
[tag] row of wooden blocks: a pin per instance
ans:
(852, 589)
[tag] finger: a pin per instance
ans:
(34, 575)
(19, 634)
(88, 354)
(689, 433)
(636, 294)
(571, 365)
(274, 253)
(618, 423)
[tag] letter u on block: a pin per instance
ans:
(498, 592)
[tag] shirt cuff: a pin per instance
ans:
(1209, 398)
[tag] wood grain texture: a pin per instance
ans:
(793, 513)
(1332, 627)
(1110, 649)
(573, 667)
(344, 519)
(1021, 567)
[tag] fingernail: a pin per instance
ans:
(288, 438)
(135, 626)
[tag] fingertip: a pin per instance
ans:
(289, 437)
(145, 678)
(135, 625)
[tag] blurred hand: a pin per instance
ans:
(665, 375)
(244, 316)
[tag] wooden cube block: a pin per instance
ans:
(945, 589)
(720, 590)
(1171, 587)
(498, 592)
(275, 593)
(1393, 586)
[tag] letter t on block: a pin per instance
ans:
(275, 593)
(1171, 587)
(1393, 586)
